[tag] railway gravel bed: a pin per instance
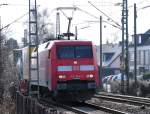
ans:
(131, 109)
(87, 108)
(106, 109)
(56, 107)
(140, 99)
(101, 106)
(68, 108)
(79, 108)
(124, 99)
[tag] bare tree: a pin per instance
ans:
(2, 38)
(45, 27)
(11, 44)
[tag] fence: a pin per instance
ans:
(28, 105)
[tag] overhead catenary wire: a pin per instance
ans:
(14, 21)
(108, 23)
(118, 27)
(10, 4)
(144, 7)
(64, 14)
(66, 8)
(87, 13)
(105, 14)
(91, 22)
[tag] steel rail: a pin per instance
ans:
(56, 104)
(106, 109)
(147, 100)
(125, 100)
(87, 104)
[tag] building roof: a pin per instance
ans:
(147, 32)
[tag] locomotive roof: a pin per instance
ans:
(49, 44)
(70, 41)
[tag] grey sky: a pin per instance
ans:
(17, 8)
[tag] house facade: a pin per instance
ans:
(110, 58)
(111, 53)
(143, 59)
(143, 53)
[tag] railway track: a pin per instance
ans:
(138, 101)
(57, 105)
(83, 108)
(106, 109)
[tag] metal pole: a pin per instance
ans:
(69, 24)
(135, 46)
(33, 43)
(127, 48)
(76, 33)
(1, 63)
(57, 25)
(100, 77)
(0, 33)
(122, 58)
(0, 28)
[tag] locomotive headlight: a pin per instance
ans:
(62, 76)
(89, 75)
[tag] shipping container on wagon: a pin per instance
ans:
(25, 61)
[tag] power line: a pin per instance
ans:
(144, 7)
(141, 2)
(10, 4)
(87, 13)
(66, 8)
(105, 14)
(77, 8)
(3, 4)
(13, 21)
(104, 22)
(118, 27)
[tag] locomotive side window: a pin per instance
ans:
(64, 52)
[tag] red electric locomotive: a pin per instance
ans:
(67, 69)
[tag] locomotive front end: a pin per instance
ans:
(77, 70)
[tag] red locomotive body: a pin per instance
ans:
(68, 68)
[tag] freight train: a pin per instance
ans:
(67, 69)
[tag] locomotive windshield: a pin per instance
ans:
(64, 52)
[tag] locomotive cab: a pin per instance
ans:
(76, 70)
